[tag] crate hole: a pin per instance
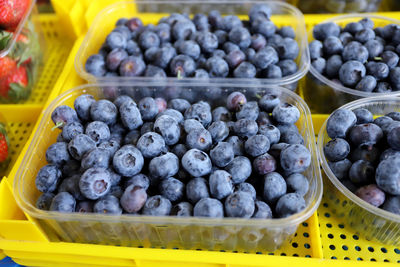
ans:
(371, 249)
(329, 225)
(327, 215)
(346, 258)
(355, 237)
(283, 254)
(306, 245)
(332, 247)
(330, 236)
(343, 236)
(333, 258)
(271, 253)
(305, 224)
(373, 259)
(386, 260)
(360, 259)
(344, 247)
(295, 245)
(357, 248)
(384, 250)
(397, 251)
(308, 256)
(325, 205)
(306, 235)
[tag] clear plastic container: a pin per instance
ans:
(283, 14)
(323, 95)
(369, 221)
(25, 47)
(5, 153)
(169, 232)
(338, 6)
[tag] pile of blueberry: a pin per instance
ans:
(364, 154)
(358, 56)
(158, 158)
(338, 6)
(201, 47)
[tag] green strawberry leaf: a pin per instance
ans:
(5, 38)
(18, 92)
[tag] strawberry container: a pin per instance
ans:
(230, 234)
(21, 52)
(338, 6)
(324, 95)
(283, 14)
(371, 222)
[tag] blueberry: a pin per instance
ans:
(258, 41)
(340, 168)
(274, 187)
(201, 22)
(63, 115)
(217, 67)
(200, 111)
(364, 35)
(122, 99)
(250, 53)
(393, 138)
(248, 110)
(82, 106)
(182, 29)
(374, 47)
(245, 127)
(354, 51)
(351, 72)
(146, 127)
(95, 65)
(363, 115)
(132, 66)
(276, 149)
(169, 129)
(353, 27)
(247, 188)
(172, 189)
(263, 119)
(95, 183)
(197, 189)
(316, 49)
(235, 58)
(115, 57)
(201, 74)
(153, 71)
(221, 114)
(367, 133)
(289, 49)
(208, 207)
(132, 137)
(286, 113)
(392, 204)
(340, 122)
(163, 57)
(44, 201)
(57, 154)
(48, 178)
(257, 145)
(222, 154)
(128, 160)
(220, 184)
(157, 206)
(222, 36)
(237, 145)
(151, 144)
(70, 130)
(191, 125)
(105, 111)
(133, 49)
(239, 204)
(230, 21)
(324, 30)
(297, 183)
(395, 78)
(367, 84)
(179, 150)
(174, 114)
(287, 66)
(240, 36)
(79, 145)
(389, 153)
(378, 69)
(148, 108)
(240, 169)
(98, 131)
(182, 209)
(383, 122)
(108, 205)
(289, 204)
(260, 10)
(63, 202)
(179, 104)
(148, 39)
(336, 149)
(346, 38)
(272, 72)
(295, 158)
(287, 31)
(371, 194)
(265, 57)
(196, 162)
(268, 102)
(395, 115)
(219, 131)
(114, 177)
(116, 39)
(95, 158)
(292, 137)
(229, 47)
(235, 100)
(134, 24)
(264, 164)
(163, 31)
(264, 27)
(271, 132)
(319, 64)
(261, 210)
(361, 172)
(182, 66)
(390, 58)
(383, 87)
(164, 166)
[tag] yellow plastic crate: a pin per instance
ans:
(318, 241)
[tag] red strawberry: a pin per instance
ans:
(7, 64)
(3, 148)
(15, 83)
(11, 12)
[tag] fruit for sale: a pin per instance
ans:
(203, 47)
(179, 158)
(364, 155)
